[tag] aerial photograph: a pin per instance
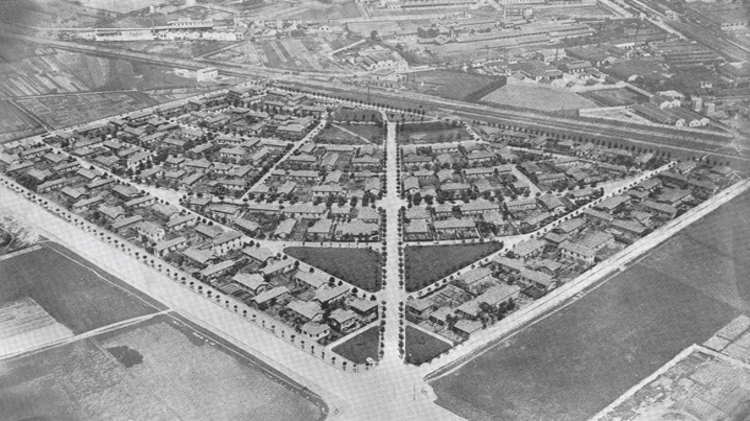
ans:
(375, 210)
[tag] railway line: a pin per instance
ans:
(670, 139)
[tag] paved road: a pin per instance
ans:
(351, 396)
(393, 293)
(309, 136)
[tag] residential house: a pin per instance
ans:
(226, 242)
(252, 282)
(306, 311)
(165, 247)
(342, 320)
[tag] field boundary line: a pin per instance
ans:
(104, 278)
(648, 379)
(85, 335)
(23, 251)
(663, 369)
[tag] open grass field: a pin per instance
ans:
(371, 132)
(614, 97)
(572, 364)
(712, 256)
(359, 267)
(134, 373)
(455, 85)
(352, 134)
(68, 110)
(422, 347)
(537, 97)
(360, 347)
(338, 136)
(430, 132)
(80, 296)
(428, 264)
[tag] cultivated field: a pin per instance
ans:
(360, 347)
(80, 297)
(49, 13)
(68, 110)
(99, 73)
(428, 264)
(14, 124)
(135, 374)
(39, 74)
(359, 267)
(120, 6)
(572, 364)
(24, 325)
(422, 347)
(537, 98)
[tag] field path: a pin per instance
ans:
(353, 134)
(35, 348)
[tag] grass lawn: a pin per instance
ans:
(571, 365)
(80, 297)
(360, 347)
(428, 264)
(359, 267)
(422, 347)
